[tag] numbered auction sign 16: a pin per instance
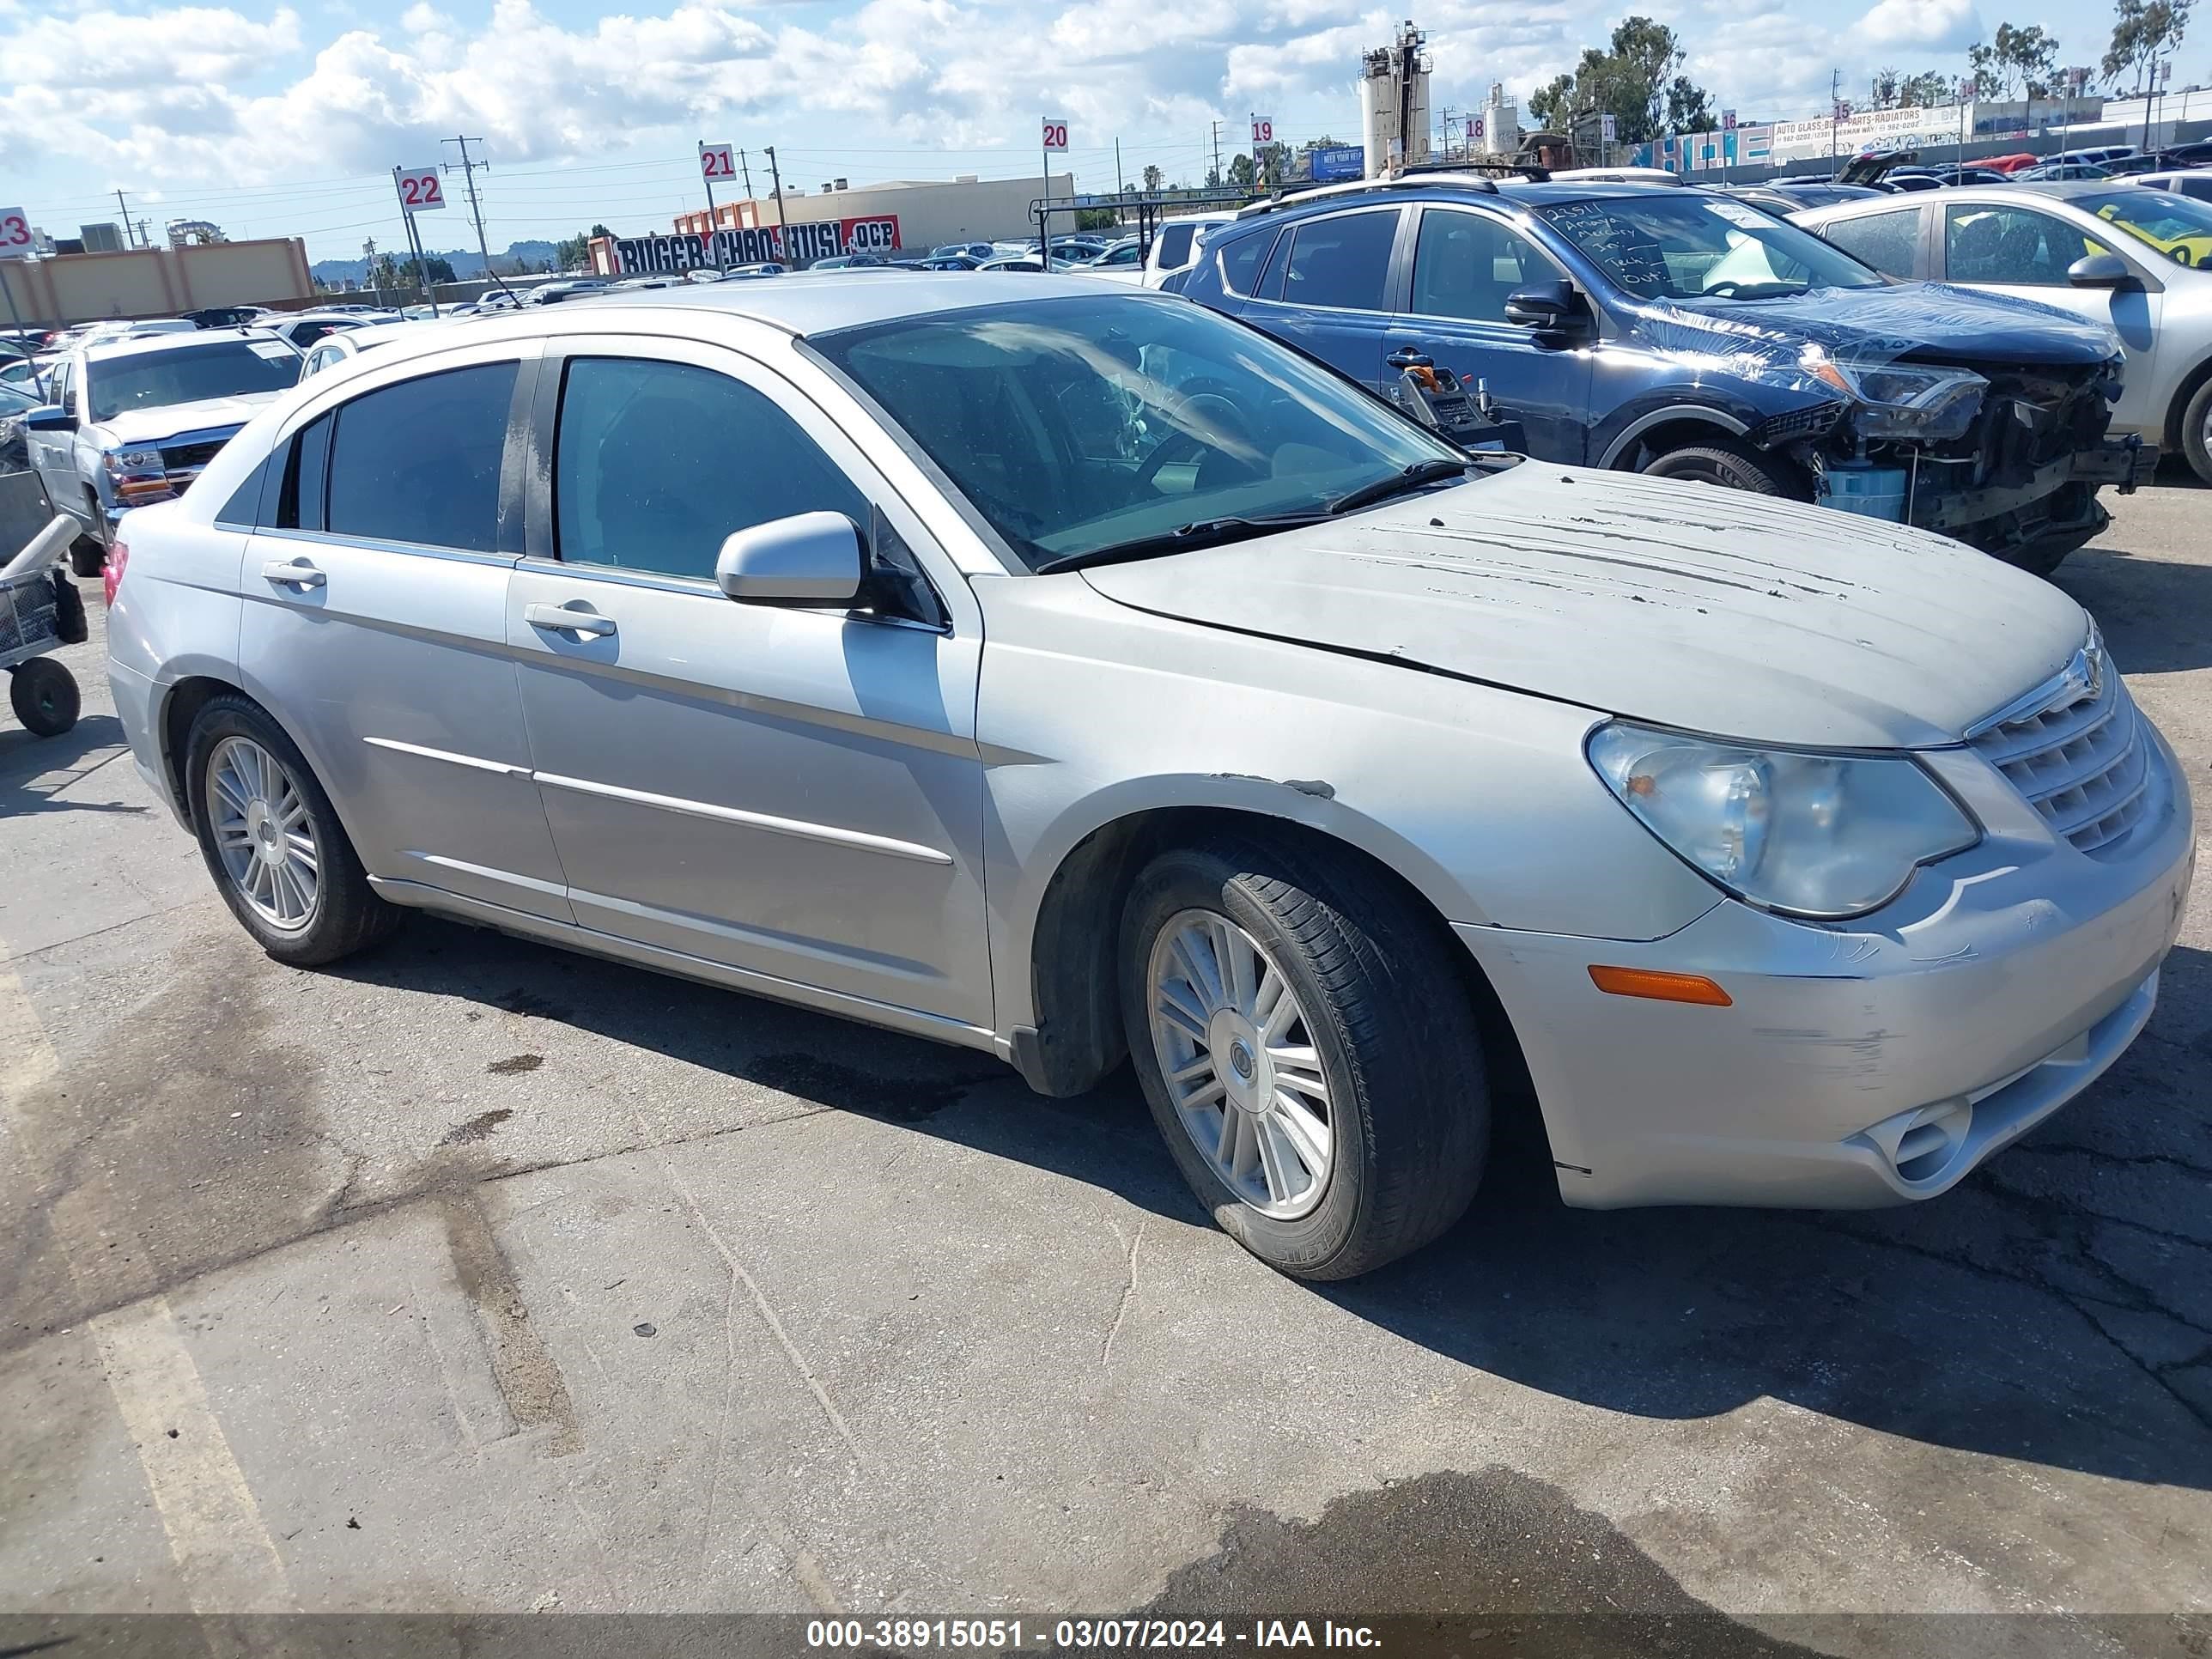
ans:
(1055, 133)
(717, 161)
(421, 189)
(14, 234)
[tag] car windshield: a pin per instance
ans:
(188, 374)
(1079, 426)
(1687, 245)
(2160, 217)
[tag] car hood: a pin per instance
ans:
(1921, 322)
(1680, 603)
(153, 426)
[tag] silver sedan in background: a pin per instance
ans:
(1074, 674)
(2116, 252)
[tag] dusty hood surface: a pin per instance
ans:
(1918, 322)
(1682, 604)
(153, 426)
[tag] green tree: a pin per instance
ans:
(1552, 103)
(1886, 91)
(1153, 180)
(1689, 108)
(1924, 90)
(1637, 79)
(2144, 31)
(1240, 172)
(2017, 62)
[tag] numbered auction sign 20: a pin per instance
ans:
(1055, 134)
(421, 189)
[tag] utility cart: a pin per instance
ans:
(40, 609)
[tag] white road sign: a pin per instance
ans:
(1055, 132)
(717, 161)
(1263, 128)
(421, 189)
(14, 234)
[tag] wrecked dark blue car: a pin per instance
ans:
(1685, 333)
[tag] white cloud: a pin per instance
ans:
(1953, 24)
(422, 18)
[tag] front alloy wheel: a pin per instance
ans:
(262, 834)
(1240, 1064)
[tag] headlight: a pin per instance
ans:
(135, 463)
(1824, 836)
(1901, 400)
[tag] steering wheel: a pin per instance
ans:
(1726, 285)
(1197, 409)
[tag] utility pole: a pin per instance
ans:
(1448, 143)
(1218, 178)
(476, 210)
(776, 180)
(130, 239)
(1835, 111)
(747, 168)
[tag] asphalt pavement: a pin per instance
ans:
(471, 1277)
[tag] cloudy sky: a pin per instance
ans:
(283, 117)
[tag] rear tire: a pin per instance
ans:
(1350, 1006)
(44, 695)
(2196, 432)
(88, 552)
(256, 806)
(1732, 466)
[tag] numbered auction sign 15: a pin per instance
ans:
(14, 234)
(1055, 133)
(717, 161)
(421, 189)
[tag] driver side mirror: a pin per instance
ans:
(810, 558)
(48, 418)
(2100, 271)
(1549, 308)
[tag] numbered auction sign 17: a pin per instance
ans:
(1055, 133)
(421, 189)
(717, 161)
(14, 234)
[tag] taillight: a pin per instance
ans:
(111, 573)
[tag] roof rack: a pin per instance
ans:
(1288, 198)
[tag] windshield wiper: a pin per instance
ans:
(1399, 483)
(1202, 532)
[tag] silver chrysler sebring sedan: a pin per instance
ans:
(1074, 673)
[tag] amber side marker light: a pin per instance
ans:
(1660, 988)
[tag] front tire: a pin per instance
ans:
(88, 552)
(1306, 1046)
(2196, 432)
(273, 842)
(1732, 466)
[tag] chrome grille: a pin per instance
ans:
(183, 462)
(2079, 757)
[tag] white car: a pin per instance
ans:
(300, 329)
(1121, 262)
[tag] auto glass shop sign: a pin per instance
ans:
(796, 245)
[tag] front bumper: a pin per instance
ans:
(1863, 1063)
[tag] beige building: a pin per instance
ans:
(156, 281)
(930, 212)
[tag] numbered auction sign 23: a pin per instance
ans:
(421, 189)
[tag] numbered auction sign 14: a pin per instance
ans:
(421, 189)
(1055, 133)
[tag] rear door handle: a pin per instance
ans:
(557, 618)
(1409, 357)
(293, 574)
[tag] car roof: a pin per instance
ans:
(2047, 190)
(823, 304)
(147, 345)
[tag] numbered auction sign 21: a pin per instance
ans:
(421, 189)
(717, 161)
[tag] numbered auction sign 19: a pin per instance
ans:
(1263, 128)
(1055, 133)
(14, 234)
(421, 189)
(717, 161)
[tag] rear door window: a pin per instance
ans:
(1341, 263)
(1890, 242)
(1173, 246)
(419, 462)
(2011, 246)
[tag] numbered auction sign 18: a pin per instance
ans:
(717, 161)
(14, 234)
(421, 189)
(1055, 133)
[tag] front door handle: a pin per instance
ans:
(1409, 357)
(559, 619)
(299, 573)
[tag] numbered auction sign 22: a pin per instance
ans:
(421, 189)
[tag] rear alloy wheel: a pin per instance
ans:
(1308, 1051)
(273, 842)
(1730, 466)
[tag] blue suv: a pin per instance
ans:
(1686, 333)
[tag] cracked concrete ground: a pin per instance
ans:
(473, 1277)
